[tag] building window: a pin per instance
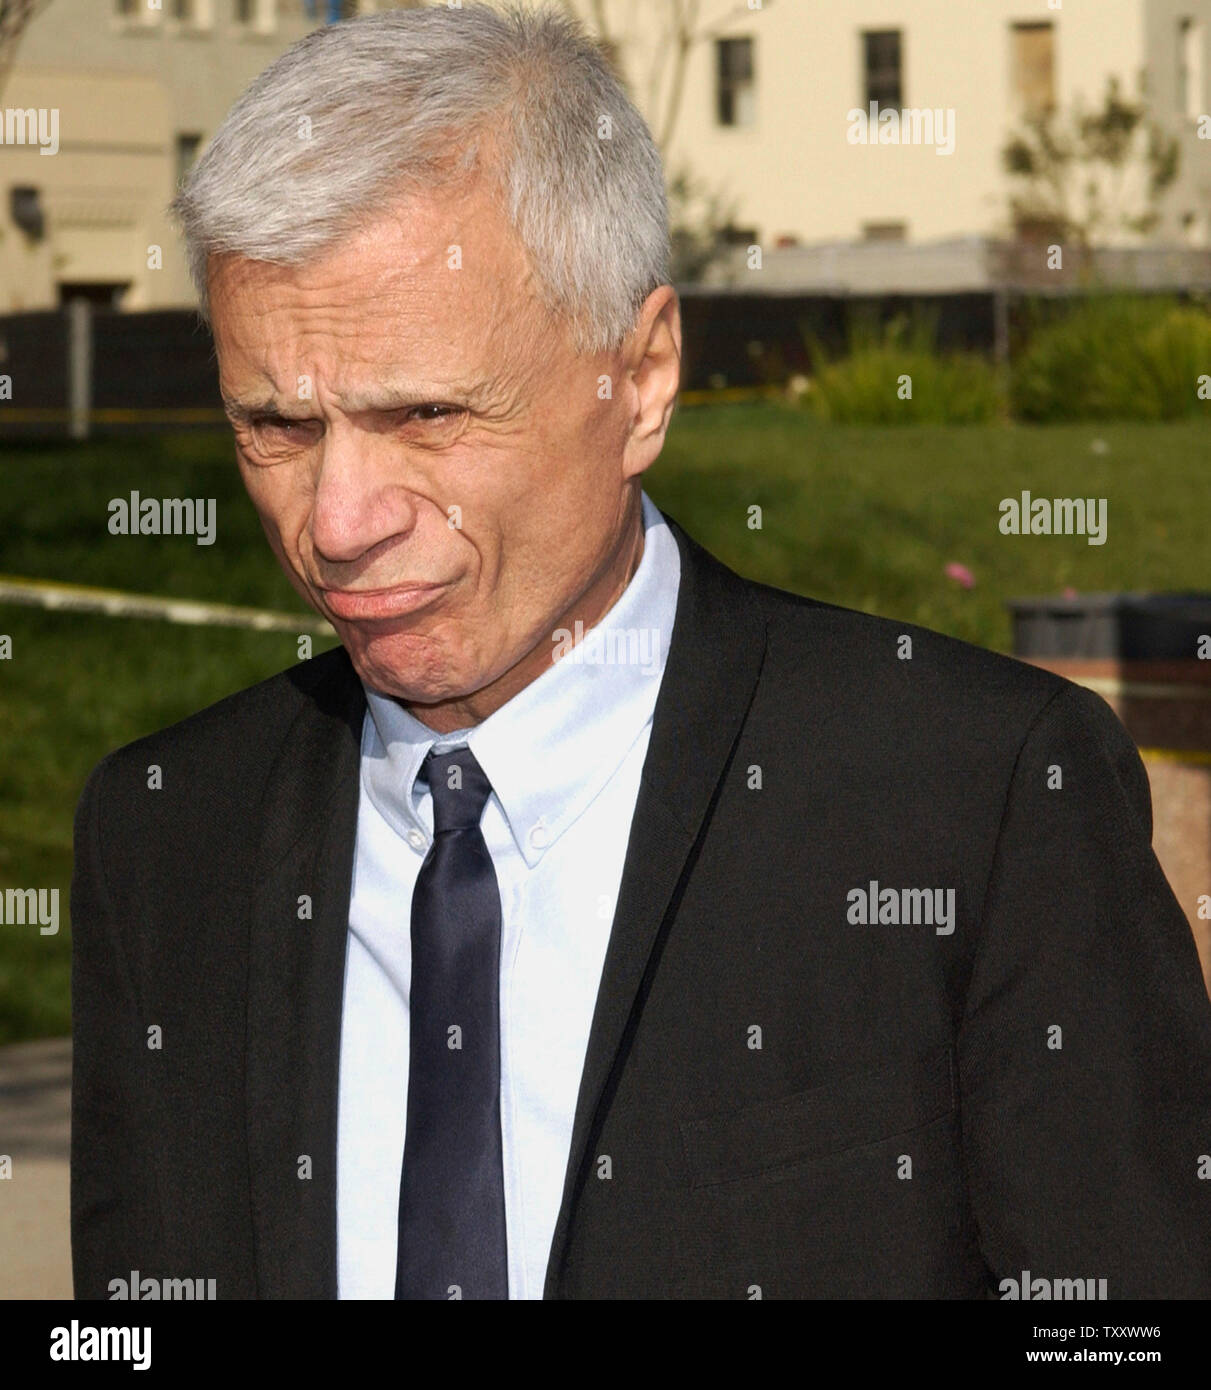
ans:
(188, 146)
(736, 88)
(1032, 76)
(738, 236)
(885, 231)
(883, 58)
(101, 294)
(25, 205)
(331, 11)
(254, 16)
(1037, 231)
(134, 14)
(1190, 91)
(193, 15)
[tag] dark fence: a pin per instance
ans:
(733, 339)
(154, 361)
(34, 356)
(104, 371)
(99, 371)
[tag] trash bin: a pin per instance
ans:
(1125, 627)
(1140, 652)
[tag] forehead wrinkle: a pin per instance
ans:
(257, 392)
(394, 395)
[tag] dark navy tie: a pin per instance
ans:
(452, 1192)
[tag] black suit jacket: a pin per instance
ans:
(791, 1101)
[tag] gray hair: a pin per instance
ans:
(400, 101)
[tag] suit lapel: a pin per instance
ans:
(713, 663)
(308, 826)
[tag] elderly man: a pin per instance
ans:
(592, 922)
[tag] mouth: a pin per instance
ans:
(370, 604)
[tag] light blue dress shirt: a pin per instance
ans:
(564, 757)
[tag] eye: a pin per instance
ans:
(277, 436)
(433, 410)
(279, 424)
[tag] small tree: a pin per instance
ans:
(700, 220)
(15, 16)
(1090, 175)
(700, 216)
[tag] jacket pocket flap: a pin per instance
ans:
(845, 1114)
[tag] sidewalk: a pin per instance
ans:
(35, 1097)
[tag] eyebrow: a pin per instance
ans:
(382, 399)
(244, 411)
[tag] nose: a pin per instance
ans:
(361, 497)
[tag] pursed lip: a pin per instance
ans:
(392, 602)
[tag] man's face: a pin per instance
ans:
(433, 463)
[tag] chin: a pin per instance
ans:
(407, 667)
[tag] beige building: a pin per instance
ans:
(770, 88)
(133, 89)
(762, 101)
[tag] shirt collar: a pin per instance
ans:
(550, 750)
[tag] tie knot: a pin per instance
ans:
(460, 789)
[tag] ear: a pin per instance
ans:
(652, 371)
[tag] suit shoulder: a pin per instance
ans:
(244, 731)
(884, 663)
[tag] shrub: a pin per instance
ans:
(1115, 357)
(866, 386)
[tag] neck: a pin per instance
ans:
(588, 609)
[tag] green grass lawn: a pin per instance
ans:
(860, 516)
